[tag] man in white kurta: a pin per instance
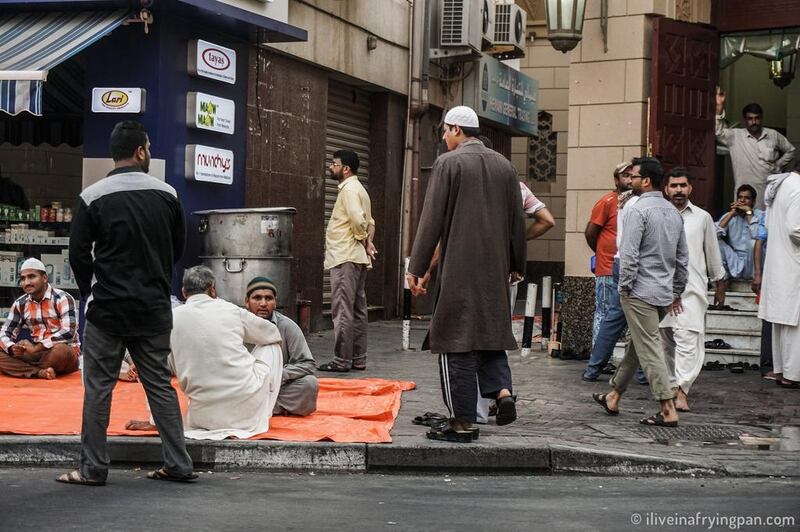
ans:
(683, 335)
(231, 391)
(780, 282)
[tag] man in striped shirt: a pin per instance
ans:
(51, 317)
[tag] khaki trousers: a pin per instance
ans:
(349, 313)
(644, 349)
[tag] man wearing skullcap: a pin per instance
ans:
(51, 317)
(299, 386)
(473, 206)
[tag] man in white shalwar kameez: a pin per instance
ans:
(231, 391)
(683, 335)
(780, 303)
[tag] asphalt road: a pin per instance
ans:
(31, 500)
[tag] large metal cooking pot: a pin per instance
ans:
(239, 244)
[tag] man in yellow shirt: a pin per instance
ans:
(349, 253)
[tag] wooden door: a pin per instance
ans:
(685, 74)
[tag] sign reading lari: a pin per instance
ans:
(212, 165)
(204, 111)
(118, 100)
(209, 60)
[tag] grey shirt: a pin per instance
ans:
(754, 159)
(653, 252)
(297, 358)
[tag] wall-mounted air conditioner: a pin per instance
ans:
(487, 24)
(456, 29)
(510, 22)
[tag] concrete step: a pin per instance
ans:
(740, 286)
(733, 320)
(737, 338)
(737, 300)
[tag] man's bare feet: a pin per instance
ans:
(668, 411)
(46, 373)
(681, 401)
(138, 424)
(612, 400)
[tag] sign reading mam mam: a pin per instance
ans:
(503, 95)
(209, 60)
(204, 111)
(212, 165)
(118, 100)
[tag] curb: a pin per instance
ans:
(407, 453)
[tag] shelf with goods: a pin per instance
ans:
(45, 240)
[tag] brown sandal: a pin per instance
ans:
(75, 477)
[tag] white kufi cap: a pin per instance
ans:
(33, 264)
(462, 116)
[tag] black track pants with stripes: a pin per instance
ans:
(462, 373)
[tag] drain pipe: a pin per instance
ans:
(417, 107)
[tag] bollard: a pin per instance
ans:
(547, 294)
(530, 312)
(406, 308)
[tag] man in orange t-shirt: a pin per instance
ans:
(601, 235)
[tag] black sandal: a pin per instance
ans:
(446, 432)
(506, 410)
(75, 477)
(429, 419)
(657, 420)
(163, 474)
(601, 399)
(334, 367)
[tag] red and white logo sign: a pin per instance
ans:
(209, 60)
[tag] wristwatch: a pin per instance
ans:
(748, 213)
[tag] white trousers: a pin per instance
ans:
(684, 353)
(786, 350)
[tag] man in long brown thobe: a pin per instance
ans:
(473, 206)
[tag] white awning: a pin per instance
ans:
(33, 43)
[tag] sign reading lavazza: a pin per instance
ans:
(204, 111)
(212, 165)
(209, 60)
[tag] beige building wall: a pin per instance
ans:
(551, 68)
(337, 39)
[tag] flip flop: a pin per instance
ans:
(163, 474)
(446, 432)
(657, 420)
(600, 398)
(75, 477)
(332, 366)
(428, 418)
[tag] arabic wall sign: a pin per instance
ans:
(204, 111)
(209, 60)
(118, 100)
(503, 95)
(212, 165)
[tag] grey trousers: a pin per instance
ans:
(644, 349)
(298, 397)
(349, 312)
(102, 358)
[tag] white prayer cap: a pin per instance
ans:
(33, 264)
(461, 115)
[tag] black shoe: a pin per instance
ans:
(609, 369)
(585, 378)
(506, 410)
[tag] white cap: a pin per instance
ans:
(461, 115)
(33, 264)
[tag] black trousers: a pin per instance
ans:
(102, 358)
(766, 347)
(462, 373)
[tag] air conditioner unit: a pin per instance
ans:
(487, 24)
(456, 30)
(510, 22)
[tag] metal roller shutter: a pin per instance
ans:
(347, 128)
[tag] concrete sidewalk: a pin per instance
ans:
(741, 425)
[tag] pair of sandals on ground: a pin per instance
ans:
(75, 477)
(455, 430)
(656, 420)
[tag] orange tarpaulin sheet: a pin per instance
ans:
(348, 410)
